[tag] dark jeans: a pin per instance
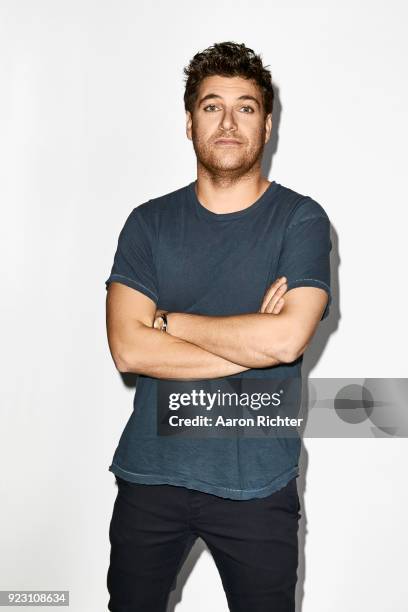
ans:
(253, 542)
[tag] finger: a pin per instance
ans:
(271, 291)
(276, 297)
(276, 308)
(274, 287)
(279, 305)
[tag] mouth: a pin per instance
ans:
(229, 142)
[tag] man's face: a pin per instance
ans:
(228, 108)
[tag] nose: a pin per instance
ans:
(227, 121)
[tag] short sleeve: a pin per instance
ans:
(133, 263)
(305, 253)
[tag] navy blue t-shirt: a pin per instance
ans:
(189, 259)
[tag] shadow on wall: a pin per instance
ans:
(310, 359)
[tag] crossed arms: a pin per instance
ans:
(199, 346)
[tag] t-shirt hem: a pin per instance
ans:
(190, 483)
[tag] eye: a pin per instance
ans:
(248, 111)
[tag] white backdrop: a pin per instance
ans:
(92, 124)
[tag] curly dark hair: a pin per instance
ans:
(227, 59)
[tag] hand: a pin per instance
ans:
(273, 301)
(158, 323)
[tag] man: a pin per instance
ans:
(225, 278)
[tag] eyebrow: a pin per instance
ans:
(243, 97)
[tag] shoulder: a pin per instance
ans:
(151, 212)
(300, 207)
(146, 218)
(162, 203)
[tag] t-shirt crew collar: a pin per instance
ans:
(212, 216)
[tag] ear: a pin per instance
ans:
(268, 127)
(189, 125)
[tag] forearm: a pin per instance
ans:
(157, 354)
(254, 340)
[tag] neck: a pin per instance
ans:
(226, 194)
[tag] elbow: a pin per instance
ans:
(127, 357)
(292, 352)
(289, 352)
(119, 359)
(125, 362)
(289, 355)
(122, 365)
(288, 341)
(130, 363)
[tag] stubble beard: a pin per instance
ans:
(227, 166)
